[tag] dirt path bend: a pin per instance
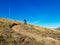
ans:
(48, 40)
(29, 34)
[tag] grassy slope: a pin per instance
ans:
(10, 36)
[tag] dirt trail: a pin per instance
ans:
(35, 36)
(23, 32)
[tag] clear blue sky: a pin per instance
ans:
(39, 12)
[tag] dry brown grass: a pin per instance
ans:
(34, 35)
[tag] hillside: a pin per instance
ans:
(26, 34)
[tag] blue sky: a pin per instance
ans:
(44, 13)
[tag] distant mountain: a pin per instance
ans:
(58, 28)
(18, 33)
